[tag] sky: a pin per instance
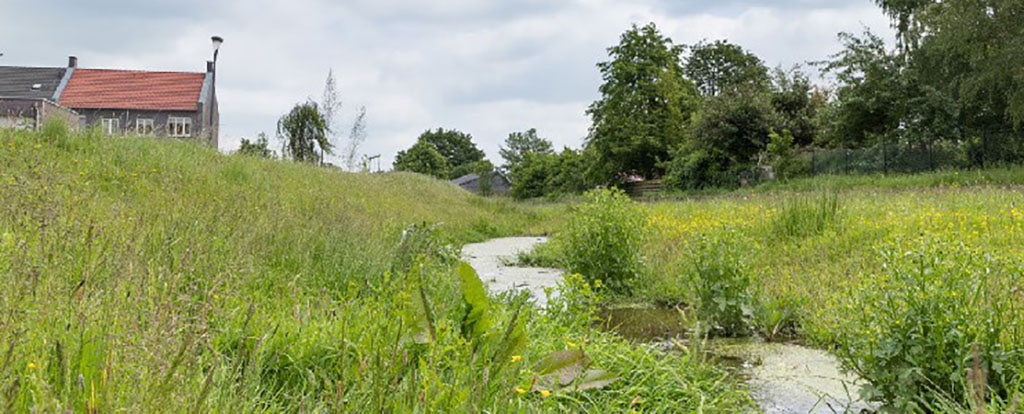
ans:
(485, 67)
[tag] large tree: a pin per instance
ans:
(304, 133)
(644, 106)
(518, 144)
(422, 158)
(456, 147)
(721, 66)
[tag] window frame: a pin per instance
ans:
(139, 122)
(111, 126)
(184, 122)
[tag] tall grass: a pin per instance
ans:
(143, 275)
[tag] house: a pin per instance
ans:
(499, 184)
(28, 97)
(166, 104)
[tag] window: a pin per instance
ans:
(179, 126)
(144, 126)
(111, 126)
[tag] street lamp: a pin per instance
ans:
(217, 40)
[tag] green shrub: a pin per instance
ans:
(603, 239)
(723, 288)
(803, 216)
(939, 326)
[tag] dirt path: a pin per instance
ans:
(489, 257)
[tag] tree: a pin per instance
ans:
(796, 104)
(518, 144)
(720, 66)
(422, 158)
(330, 106)
(258, 148)
(304, 133)
(734, 126)
(644, 106)
(870, 97)
(456, 147)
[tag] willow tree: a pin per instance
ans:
(304, 133)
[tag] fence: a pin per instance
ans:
(986, 150)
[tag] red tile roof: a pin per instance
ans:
(123, 89)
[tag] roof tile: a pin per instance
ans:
(123, 89)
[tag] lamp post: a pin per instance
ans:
(217, 40)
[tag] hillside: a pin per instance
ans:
(152, 275)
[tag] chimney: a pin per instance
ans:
(210, 66)
(72, 62)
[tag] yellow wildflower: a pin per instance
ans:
(517, 358)
(545, 393)
(520, 391)
(32, 365)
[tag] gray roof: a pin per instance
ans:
(18, 82)
(465, 179)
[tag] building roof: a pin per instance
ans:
(465, 179)
(124, 89)
(20, 82)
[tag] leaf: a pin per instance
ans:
(477, 321)
(512, 343)
(423, 321)
(595, 379)
(560, 368)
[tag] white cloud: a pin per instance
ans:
(487, 68)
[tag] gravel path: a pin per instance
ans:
(488, 258)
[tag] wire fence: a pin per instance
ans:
(986, 150)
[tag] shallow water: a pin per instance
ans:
(783, 378)
(489, 258)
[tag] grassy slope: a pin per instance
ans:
(143, 275)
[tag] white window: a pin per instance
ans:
(179, 126)
(144, 126)
(111, 126)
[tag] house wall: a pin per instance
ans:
(128, 118)
(33, 113)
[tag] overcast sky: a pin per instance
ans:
(483, 67)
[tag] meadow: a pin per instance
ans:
(919, 291)
(146, 275)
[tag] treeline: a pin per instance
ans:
(949, 94)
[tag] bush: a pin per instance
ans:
(603, 239)
(938, 326)
(723, 288)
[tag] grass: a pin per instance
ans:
(902, 285)
(144, 275)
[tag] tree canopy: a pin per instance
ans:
(720, 66)
(304, 132)
(518, 144)
(422, 158)
(644, 106)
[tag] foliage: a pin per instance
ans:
(259, 148)
(781, 155)
(422, 158)
(735, 125)
(519, 144)
(723, 284)
(304, 131)
(938, 322)
(603, 239)
(644, 106)
(796, 104)
(700, 168)
(719, 67)
(539, 175)
(456, 147)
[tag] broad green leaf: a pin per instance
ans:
(560, 368)
(594, 379)
(478, 321)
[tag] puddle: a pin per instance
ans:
(783, 378)
(645, 324)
